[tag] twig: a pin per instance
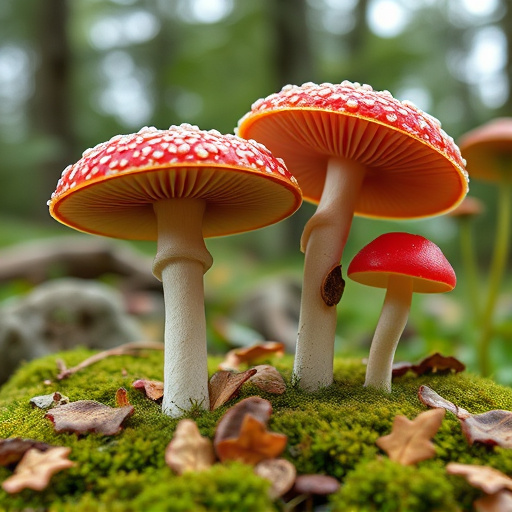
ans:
(127, 349)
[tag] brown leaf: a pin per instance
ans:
(88, 416)
(154, 389)
(122, 398)
(224, 385)
(280, 472)
(189, 450)
(409, 441)
(320, 485)
(487, 479)
(333, 287)
(236, 357)
(13, 449)
(499, 502)
(36, 468)
(253, 444)
(491, 428)
(241, 433)
(437, 363)
(268, 379)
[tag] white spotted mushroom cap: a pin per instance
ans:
(111, 189)
(413, 168)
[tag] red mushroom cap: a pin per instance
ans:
(488, 150)
(111, 189)
(403, 254)
(413, 168)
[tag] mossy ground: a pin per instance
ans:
(331, 432)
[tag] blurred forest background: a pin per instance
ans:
(75, 73)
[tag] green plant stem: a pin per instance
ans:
(498, 264)
(470, 265)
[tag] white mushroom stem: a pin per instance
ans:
(180, 263)
(390, 326)
(323, 241)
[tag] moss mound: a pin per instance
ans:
(332, 432)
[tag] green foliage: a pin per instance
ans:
(331, 432)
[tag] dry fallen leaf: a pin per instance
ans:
(319, 485)
(491, 428)
(36, 468)
(13, 449)
(280, 472)
(122, 398)
(409, 441)
(253, 444)
(189, 450)
(241, 433)
(268, 379)
(154, 389)
(234, 358)
(436, 363)
(89, 416)
(499, 502)
(487, 479)
(224, 385)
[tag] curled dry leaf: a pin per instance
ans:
(280, 472)
(13, 449)
(224, 385)
(487, 479)
(236, 357)
(436, 363)
(48, 401)
(319, 485)
(499, 502)
(36, 468)
(409, 441)
(241, 433)
(268, 379)
(189, 450)
(88, 416)
(154, 389)
(122, 398)
(491, 428)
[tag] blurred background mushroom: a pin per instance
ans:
(74, 73)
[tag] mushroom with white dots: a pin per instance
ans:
(353, 151)
(177, 186)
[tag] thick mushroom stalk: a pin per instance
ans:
(391, 324)
(323, 241)
(180, 263)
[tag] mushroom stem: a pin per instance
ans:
(390, 326)
(323, 241)
(498, 266)
(180, 262)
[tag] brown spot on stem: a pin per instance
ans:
(333, 286)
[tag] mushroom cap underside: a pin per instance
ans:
(121, 205)
(403, 254)
(405, 177)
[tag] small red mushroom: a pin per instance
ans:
(353, 151)
(402, 263)
(177, 186)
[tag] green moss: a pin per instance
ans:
(331, 432)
